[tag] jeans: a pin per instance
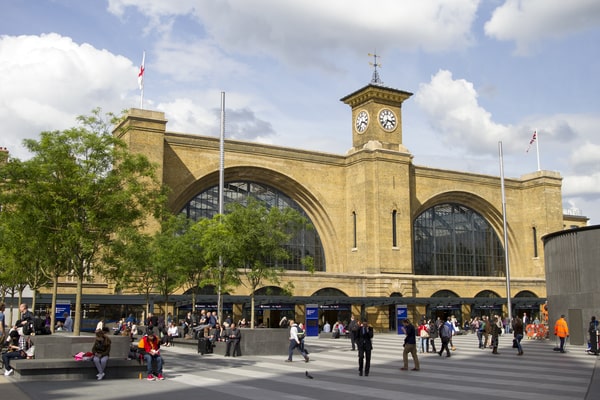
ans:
(100, 363)
(294, 345)
(519, 337)
(149, 358)
(424, 344)
(480, 338)
(6, 357)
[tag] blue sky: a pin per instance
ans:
(481, 72)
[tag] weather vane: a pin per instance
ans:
(375, 79)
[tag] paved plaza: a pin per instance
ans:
(540, 373)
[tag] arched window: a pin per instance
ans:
(306, 242)
(451, 239)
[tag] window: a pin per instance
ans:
(535, 247)
(354, 244)
(451, 239)
(394, 233)
(306, 242)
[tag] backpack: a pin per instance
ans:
(445, 331)
(301, 333)
(28, 328)
(433, 330)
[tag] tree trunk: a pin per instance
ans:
(78, 295)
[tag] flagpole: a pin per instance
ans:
(537, 148)
(221, 199)
(507, 264)
(141, 79)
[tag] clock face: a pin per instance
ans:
(362, 120)
(387, 119)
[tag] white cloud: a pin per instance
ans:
(48, 80)
(452, 109)
(528, 22)
(312, 31)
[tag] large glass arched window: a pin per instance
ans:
(451, 239)
(305, 243)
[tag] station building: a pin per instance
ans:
(387, 231)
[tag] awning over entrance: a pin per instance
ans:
(322, 301)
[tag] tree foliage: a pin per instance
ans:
(251, 240)
(84, 188)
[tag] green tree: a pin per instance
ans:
(168, 256)
(87, 188)
(255, 239)
(219, 256)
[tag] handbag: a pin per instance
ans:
(515, 344)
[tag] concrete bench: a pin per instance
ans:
(54, 359)
(329, 335)
(50, 369)
(254, 342)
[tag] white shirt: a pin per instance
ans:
(294, 332)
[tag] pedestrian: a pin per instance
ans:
(423, 331)
(233, 341)
(68, 324)
(480, 330)
(496, 332)
(410, 346)
(353, 330)
(561, 330)
(101, 351)
(364, 343)
(433, 334)
(295, 342)
(445, 332)
(518, 326)
(593, 331)
(3, 333)
(487, 330)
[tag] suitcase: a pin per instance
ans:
(204, 346)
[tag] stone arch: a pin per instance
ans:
(488, 294)
(444, 293)
(270, 291)
(329, 291)
(290, 187)
(473, 201)
(451, 238)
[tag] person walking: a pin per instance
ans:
(364, 343)
(480, 329)
(496, 332)
(518, 326)
(295, 342)
(445, 335)
(433, 334)
(353, 330)
(593, 331)
(561, 329)
(423, 331)
(101, 351)
(410, 346)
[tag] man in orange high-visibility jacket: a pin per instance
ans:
(561, 329)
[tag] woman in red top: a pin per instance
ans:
(423, 332)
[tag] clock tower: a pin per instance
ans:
(377, 116)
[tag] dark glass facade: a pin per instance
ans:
(451, 239)
(305, 243)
